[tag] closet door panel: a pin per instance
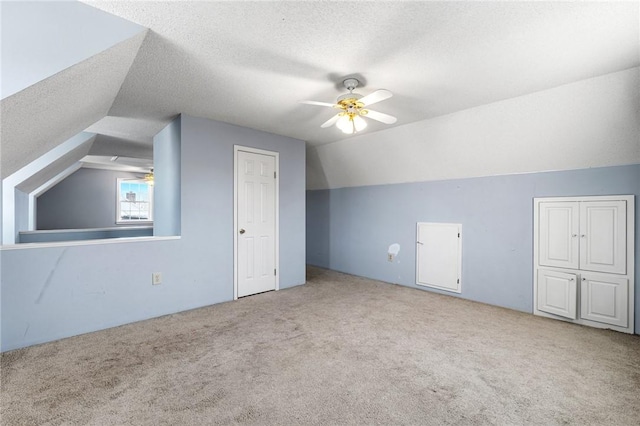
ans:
(604, 298)
(557, 293)
(603, 242)
(558, 234)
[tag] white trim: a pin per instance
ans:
(630, 275)
(124, 240)
(236, 149)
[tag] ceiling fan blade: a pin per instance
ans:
(379, 116)
(330, 122)
(377, 96)
(316, 103)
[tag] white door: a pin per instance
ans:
(558, 239)
(603, 231)
(439, 256)
(557, 293)
(255, 223)
(604, 298)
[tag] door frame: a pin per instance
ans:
(236, 149)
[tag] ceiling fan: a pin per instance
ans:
(353, 107)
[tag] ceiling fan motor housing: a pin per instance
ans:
(351, 83)
(354, 96)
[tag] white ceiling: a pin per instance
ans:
(248, 63)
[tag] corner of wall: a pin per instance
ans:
(167, 148)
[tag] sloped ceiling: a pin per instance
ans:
(109, 145)
(40, 117)
(54, 168)
(248, 63)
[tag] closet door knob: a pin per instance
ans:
(574, 235)
(582, 236)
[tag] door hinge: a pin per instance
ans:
(274, 272)
(274, 175)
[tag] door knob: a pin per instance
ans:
(242, 231)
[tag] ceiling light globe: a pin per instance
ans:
(343, 123)
(359, 123)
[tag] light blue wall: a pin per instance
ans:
(40, 39)
(207, 168)
(350, 229)
(55, 292)
(166, 170)
(84, 199)
(21, 211)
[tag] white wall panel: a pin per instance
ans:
(590, 123)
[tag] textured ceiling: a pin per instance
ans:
(42, 116)
(109, 145)
(248, 63)
(54, 168)
(132, 129)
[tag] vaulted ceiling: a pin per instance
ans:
(249, 63)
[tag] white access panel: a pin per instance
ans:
(439, 256)
(557, 293)
(604, 298)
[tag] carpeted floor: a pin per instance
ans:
(338, 350)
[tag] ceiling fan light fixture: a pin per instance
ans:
(150, 178)
(344, 123)
(351, 123)
(359, 123)
(351, 106)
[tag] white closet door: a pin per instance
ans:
(558, 234)
(439, 256)
(603, 230)
(557, 293)
(604, 298)
(256, 221)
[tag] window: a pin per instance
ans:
(135, 201)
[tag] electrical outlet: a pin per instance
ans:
(156, 278)
(390, 257)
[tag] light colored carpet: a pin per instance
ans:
(339, 350)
